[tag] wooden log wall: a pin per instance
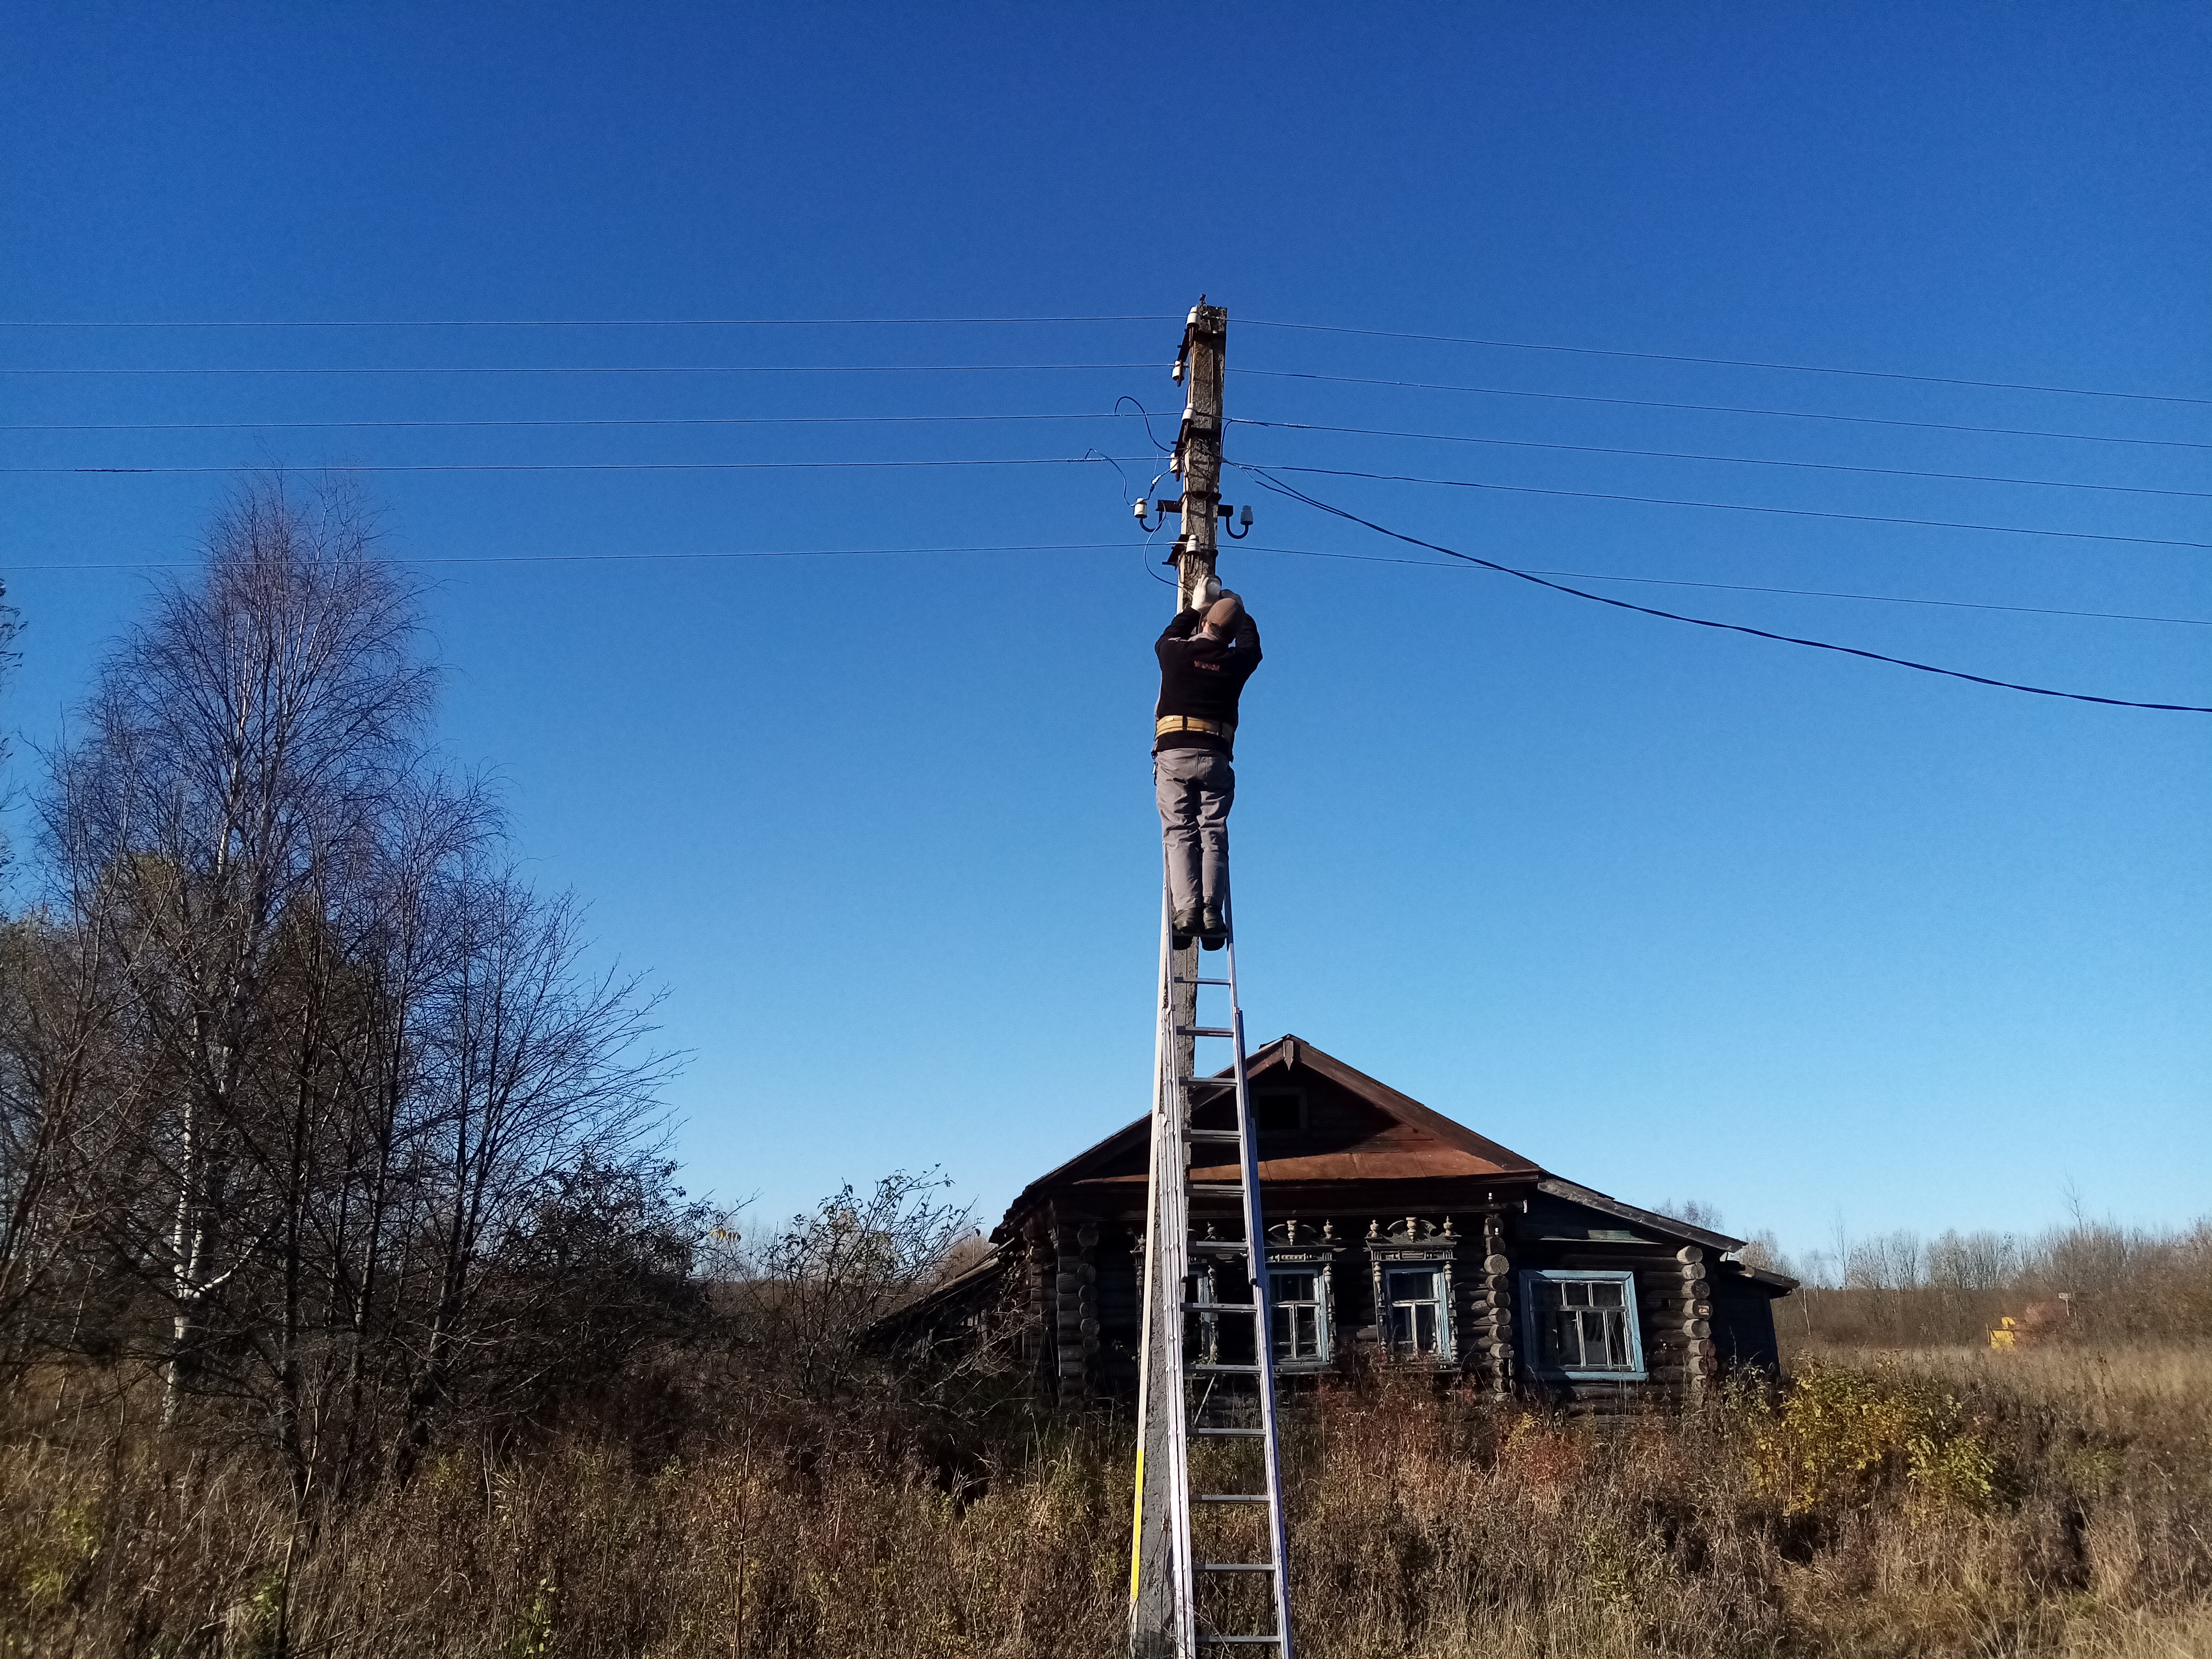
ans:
(1492, 1328)
(1075, 1289)
(1038, 1267)
(1677, 1321)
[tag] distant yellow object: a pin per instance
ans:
(2007, 1333)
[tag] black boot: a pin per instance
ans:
(1184, 924)
(1212, 927)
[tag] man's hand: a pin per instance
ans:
(1205, 592)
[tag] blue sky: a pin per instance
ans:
(1676, 913)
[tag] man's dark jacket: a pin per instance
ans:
(1203, 677)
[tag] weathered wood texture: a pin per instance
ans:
(1353, 1159)
(1198, 447)
(1076, 1318)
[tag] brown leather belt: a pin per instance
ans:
(1225, 730)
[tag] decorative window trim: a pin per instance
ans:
(1296, 1246)
(1531, 1348)
(1324, 1307)
(1421, 1246)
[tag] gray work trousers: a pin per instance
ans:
(1196, 788)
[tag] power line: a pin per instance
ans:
(616, 369)
(709, 555)
(1745, 588)
(1723, 409)
(239, 323)
(596, 466)
(1729, 362)
(599, 420)
(578, 322)
(1297, 494)
(637, 558)
(1733, 460)
(1743, 507)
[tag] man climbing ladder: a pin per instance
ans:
(1205, 656)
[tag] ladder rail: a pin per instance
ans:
(1166, 1261)
(1263, 1308)
(1169, 1372)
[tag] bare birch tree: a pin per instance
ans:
(251, 729)
(325, 1114)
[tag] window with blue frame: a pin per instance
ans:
(1580, 1322)
(1299, 1311)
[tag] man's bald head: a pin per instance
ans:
(1221, 616)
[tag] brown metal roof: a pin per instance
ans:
(1415, 1143)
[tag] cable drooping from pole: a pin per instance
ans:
(1294, 493)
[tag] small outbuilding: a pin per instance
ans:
(1392, 1230)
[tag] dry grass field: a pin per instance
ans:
(1944, 1502)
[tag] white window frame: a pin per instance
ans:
(1324, 1314)
(1439, 1269)
(1532, 1347)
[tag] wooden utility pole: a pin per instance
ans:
(1198, 445)
(1162, 1622)
(1197, 460)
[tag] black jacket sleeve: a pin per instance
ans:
(1247, 637)
(1183, 625)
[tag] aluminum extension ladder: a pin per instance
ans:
(1188, 1390)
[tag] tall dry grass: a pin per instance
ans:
(1961, 1503)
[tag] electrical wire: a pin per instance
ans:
(636, 558)
(614, 368)
(1145, 550)
(1747, 587)
(1145, 415)
(1743, 506)
(946, 322)
(1293, 492)
(592, 421)
(1722, 409)
(598, 466)
(1729, 362)
(1733, 460)
(587, 322)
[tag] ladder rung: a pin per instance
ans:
(1180, 979)
(1205, 1030)
(1219, 1306)
(1221, 1246)
(1236, 1566)
(1233, 1370)
(1213, 1134)
(1207, 1082)
(1216, 1188)
(1228, 1497)
(1237, 1641)
(1233, 1434)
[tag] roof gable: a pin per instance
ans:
(1379, 1134)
